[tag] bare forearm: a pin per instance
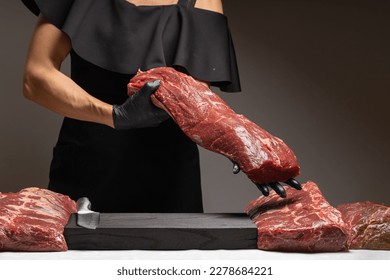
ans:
(46, 85)
(55, 91)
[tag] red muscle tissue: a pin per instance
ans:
(207, 120)
(34, 220)
(368, 224)
(302, 222)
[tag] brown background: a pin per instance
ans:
(314, 73)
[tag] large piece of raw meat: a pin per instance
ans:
(302, 222)
(368, 224)
(206, 119)
(34, 220)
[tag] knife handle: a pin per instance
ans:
(83, 205)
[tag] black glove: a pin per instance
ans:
(276, 186)
(138, 110)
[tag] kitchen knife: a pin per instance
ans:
(85, 216)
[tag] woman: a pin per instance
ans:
(125, 154)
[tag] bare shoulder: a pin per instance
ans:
(212, 5)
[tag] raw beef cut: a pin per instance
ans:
(302, 222)
(34, 220)
(206, 119)
(368, 224)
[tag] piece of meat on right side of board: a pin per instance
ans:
(302, 222)
(368, 224)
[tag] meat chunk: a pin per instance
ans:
(34, 220)
(302, 222)
(368, 224)
(206, 119)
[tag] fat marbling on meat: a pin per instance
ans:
(368, 224)
(206, 119)
(302, 222)
(33, 219)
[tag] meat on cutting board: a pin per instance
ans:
(34, 220)
(368, 224)
(302, 222)
(206, 119)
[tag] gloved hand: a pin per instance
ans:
(138, 110)
(276, 186)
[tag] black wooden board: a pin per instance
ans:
(163, 231)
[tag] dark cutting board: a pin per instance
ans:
(164, 231)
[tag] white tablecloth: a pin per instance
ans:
(196, 255)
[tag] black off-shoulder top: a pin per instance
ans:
(119, 36)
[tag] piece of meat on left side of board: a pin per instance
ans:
(33, 219)
(302, 222)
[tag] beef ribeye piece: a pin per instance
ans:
(302, 222)
(34, 220)
(206, 119)
(368, 224)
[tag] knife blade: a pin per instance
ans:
(85, 216)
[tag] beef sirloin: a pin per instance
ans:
(368, 224)
(206, 119)
(34, 220)
(302, 222)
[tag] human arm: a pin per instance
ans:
(46, 85)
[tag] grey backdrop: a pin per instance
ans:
(314, 73)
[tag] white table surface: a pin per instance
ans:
(196, 255)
